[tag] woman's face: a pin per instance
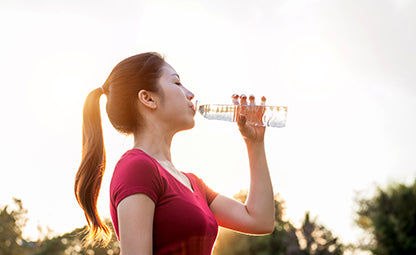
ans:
(175, 105)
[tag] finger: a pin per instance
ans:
(263, 104)
(243, 107)
(243, 103)
(251, 111)
(243, 99)
(235, 98)
(251, 99)
(261, 111)
(263, 101)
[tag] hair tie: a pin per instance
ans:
(102, 89)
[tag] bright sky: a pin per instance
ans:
(345, 69)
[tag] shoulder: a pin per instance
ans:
(135, 162)
(136, 157)
(135, 172)
(135, 168)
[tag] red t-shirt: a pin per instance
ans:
(183, 222)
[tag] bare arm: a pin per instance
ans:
(135, 222)
(257, 215)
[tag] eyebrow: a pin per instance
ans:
(175, 74)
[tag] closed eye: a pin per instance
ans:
(178, 83)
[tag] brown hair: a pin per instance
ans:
(128, 77)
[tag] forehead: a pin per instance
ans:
(168, 71)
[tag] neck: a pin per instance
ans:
(155, 142)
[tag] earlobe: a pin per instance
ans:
(147, 99)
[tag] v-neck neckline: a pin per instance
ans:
(191, 189)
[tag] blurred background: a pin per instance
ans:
(345, 69)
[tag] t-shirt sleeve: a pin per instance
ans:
(209, 193)
(135, 174)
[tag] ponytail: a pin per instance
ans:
(90, 173)
(141, 71)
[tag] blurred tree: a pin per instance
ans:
(11, 224)
(311, 238)
(390, 216)
(71, 244)
(316, 239)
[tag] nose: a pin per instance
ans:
(189, 95)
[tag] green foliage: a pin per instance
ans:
(310, 238)
(11, 242)
(11, 224)
(71, 244)
(390, 216)
(316, 239)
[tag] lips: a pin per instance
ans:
(193, 108)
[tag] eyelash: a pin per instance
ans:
(178, 83)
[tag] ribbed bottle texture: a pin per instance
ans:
(268, 116)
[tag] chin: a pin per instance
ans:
(189, 125)
(192, 124)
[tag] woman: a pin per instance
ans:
(155, 208)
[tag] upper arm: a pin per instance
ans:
(135, 222)
(234, 215)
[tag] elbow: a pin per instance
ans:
(268, 225)
(265, 229)
(268, 229)
(264, 225)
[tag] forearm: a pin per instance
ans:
(260, 201)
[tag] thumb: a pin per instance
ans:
(242, 119)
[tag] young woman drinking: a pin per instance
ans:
(155, 208)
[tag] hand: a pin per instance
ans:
(249, 118)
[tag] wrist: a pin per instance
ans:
(254, 144)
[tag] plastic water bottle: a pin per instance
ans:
(258, 115)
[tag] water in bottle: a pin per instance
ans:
(258, 115)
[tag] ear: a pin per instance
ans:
(147, 98)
